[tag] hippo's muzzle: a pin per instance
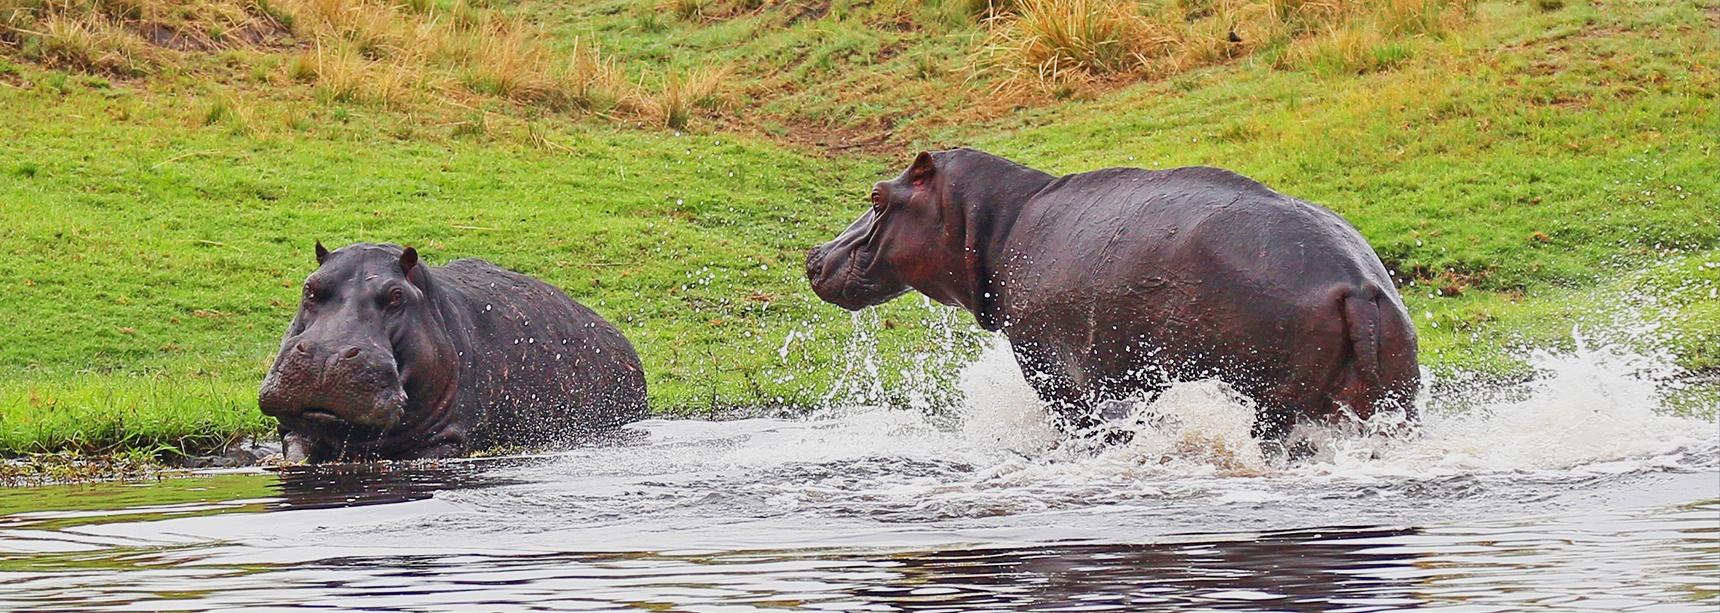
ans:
(838, 280)
(324, 387)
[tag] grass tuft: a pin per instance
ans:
(92, 44)
(221, 110)
(340, 73)
(685, 9)
(509, 64)
(682, 93)
(591, 81)
(1052, 41)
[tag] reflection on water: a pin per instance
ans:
(25, 511)
(1664, 559)
(349, 485)
(1576, 491)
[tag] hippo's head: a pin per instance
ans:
(909, 239)
(366, 343)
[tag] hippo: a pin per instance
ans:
(391, 358)
(1110, 285)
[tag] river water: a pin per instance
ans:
(1576, 490)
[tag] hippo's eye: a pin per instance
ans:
(877, 201)
(395, 297)
(310, 294)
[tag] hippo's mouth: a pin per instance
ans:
(849, 286)
(325, 423)
(860, 293)
(320, 415)
(857, 291)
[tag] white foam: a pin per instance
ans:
(1595, 408)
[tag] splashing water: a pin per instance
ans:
(1592, 412)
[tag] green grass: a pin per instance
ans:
(1517, 172)
(154, 262)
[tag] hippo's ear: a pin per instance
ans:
(408, 261)
(322, 252)
(922, 168)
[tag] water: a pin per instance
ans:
(1576, 490)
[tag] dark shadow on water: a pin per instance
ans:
(1298, 570)
(1304, 569)
(371, 483)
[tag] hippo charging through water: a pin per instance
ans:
(1114, 283)
(390, 358)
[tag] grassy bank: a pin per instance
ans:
(157, 274)
(1513, 162)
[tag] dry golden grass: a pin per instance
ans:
(341, 73)
(388, 52)
(591, 81)
(672, 106)
(95, 44)
(419, 54)
(1038, 45)
(376, 30)
(126, 37)
(510, 64)
(1054, 40)
(338, 73)
(395, 83)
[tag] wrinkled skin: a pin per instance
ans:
(1114, 283)
(389, 358)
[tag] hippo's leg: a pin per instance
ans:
(1072, 410)
(1055, 381)
(1300, 386)
(1272, 424)
(1114, 419)
(1277, 415)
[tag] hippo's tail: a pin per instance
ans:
(1384, 374)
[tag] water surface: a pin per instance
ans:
(1577, 490)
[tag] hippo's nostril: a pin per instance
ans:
(301, 347)
(350, 353)
(814, 260)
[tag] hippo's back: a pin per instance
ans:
(538, 367)
(1207, 271)
(1119, 229)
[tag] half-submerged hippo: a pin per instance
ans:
(1114, 283)
(389, 358)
